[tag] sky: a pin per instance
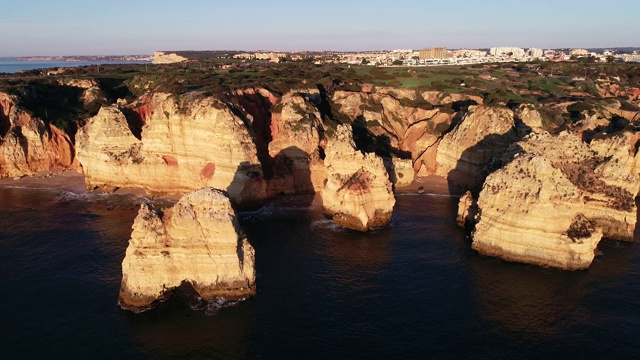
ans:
(121, 27)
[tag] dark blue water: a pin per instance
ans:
(413, 290)
(14, 65)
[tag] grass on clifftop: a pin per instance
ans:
(505, 83)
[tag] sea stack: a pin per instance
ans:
(198, 241)
(556, 198)
(357, 194)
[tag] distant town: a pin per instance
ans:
(444, 56)
(399, 57)
(89, 58)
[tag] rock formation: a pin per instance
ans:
(482, 133)
(467, 210)
(28, 144)
(530, 117)
(555, 198)
(180, 148)
(401, 172)
(92, 95)
(402, 118)
(358, 194)
(197, 241)
(296, 135)
(160, 57)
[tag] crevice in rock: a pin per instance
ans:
(136, 118)
(366, 142)
(5, 123)
(259, 124)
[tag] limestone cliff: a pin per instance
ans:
(296, 136)
(197, 241)
(28, 144)
(357, 194)
(181, 147)
(551, 207)
(402, 119)
(482, 133)
(160, 57)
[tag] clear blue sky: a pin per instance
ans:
(87, 27)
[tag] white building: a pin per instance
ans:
(535, 53)
(505, 51)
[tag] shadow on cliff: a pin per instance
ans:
(5, 122)
(491, 153)
(367, 142)
(636, 232)
(255, 111)
(289, 174)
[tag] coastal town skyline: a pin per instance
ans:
(73, 27)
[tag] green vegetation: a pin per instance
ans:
(218, 74)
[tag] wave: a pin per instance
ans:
(212, 306)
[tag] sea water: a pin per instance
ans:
(413, 290)
(14, 65)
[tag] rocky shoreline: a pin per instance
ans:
(537, 197)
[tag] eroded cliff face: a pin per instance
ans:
(403, 119)
(180, 149)
(482, 133)
(28, 144)
(555, 198)
(198, 241)
(296, 142)
(358, 194)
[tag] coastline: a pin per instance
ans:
(73, 181)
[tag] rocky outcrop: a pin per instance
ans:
(401, 171)
(160, 57)
(198, 241)
(631, 116)
(358, 194)
(28, 144)
(296, 136)
(401, 119)
(467, 210)
(530, 117)
(482, 133)
(551, 207)
(182, 147)
(92, 93)
(444, 98)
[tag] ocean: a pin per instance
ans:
(14, 65)
(413, 290)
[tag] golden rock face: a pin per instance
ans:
(179, 150)
(552, 207)
(28, 144)
(358, 194)
(197, 241)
